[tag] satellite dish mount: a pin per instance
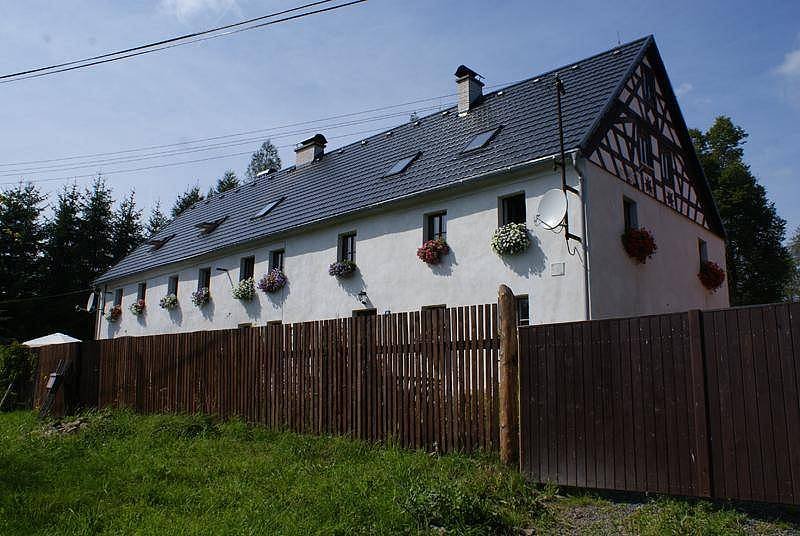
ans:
(561, 162)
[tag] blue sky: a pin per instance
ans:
(739, 58)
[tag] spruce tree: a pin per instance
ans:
(186, 200)
(127, 228)
(63, 240)
(759, 265)
(793, 288)
(156, 221)
(229, 181)
(97, 224)
(21, 241)
(264, 158)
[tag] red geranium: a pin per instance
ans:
(711, 275)
(432, 251)
(639, 244)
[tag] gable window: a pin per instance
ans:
(347, 247)
(172, 285)
(649, 87)
(276, 259)
(480, 140)
(646, 149)
(141, 291)
(702, 249)
(401, 165)
(247, 267)
(436, 226)
(512, 209)
(118, 297)
(668, 169)
(630, 212)
(204, 278)
(523, 311)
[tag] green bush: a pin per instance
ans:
(17, 364)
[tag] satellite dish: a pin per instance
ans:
(552, 209)
(90, 303)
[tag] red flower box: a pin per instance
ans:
(432, 251)
(639, 244)
(711, 275)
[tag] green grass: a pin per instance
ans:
(129, 474)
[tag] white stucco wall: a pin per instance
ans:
(668, 281)
(389, 270)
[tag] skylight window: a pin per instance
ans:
(158, 243)
(267, 208)
(401, 165)
(480, 140)
(208, 227)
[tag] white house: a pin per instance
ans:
(456, 175)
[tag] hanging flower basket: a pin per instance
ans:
(342, 269)
(201, 296)
(169, 302)
(137, 307)
(511, 239)
(273, 281)
(113, 314)
(244, 290)
(639, 244)
(711, 275)
(432, 251)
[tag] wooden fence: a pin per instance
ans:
(697, 403)
(424, 379)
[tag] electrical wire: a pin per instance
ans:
(172, 43)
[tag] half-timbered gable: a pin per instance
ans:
(644, 142)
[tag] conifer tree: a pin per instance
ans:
(759, 265)
(127, 228)
(264, 158)
(186, 200)
(156, 221)
(228, 181)
(95, 246)
(62, 243)
(21, 241)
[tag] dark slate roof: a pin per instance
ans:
(352, 178)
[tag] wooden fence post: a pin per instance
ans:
(509, 388)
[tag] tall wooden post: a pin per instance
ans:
(509, 388)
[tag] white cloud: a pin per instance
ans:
(683, 89)
(186, 9)
(790, 65)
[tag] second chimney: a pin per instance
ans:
(309, 150)
(470, 89)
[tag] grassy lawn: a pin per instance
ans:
(127, 474)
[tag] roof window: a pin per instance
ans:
(268, 207)
(480, 140)
(208, 227)
(401, 165)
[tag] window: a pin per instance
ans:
(630, 213)
(702, 248)
(268, 208)
(646, 149)
(208, 227)
(365, 312)
(401, 165)
(158, 243)
(247, 267)
(172, 286)
(204, 278)
(141, 291)
(347, 247)
(276, 259)
(523, 311)
(480, 140)
(512, 209)
(118, 297)
(668, 169)
(436, 226)
(649, 87)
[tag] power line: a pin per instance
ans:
(206, 35)
(176, 152)
(171, 164)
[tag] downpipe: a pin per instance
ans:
(585, 242)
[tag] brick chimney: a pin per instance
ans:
(310, 150)
(470, 89)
